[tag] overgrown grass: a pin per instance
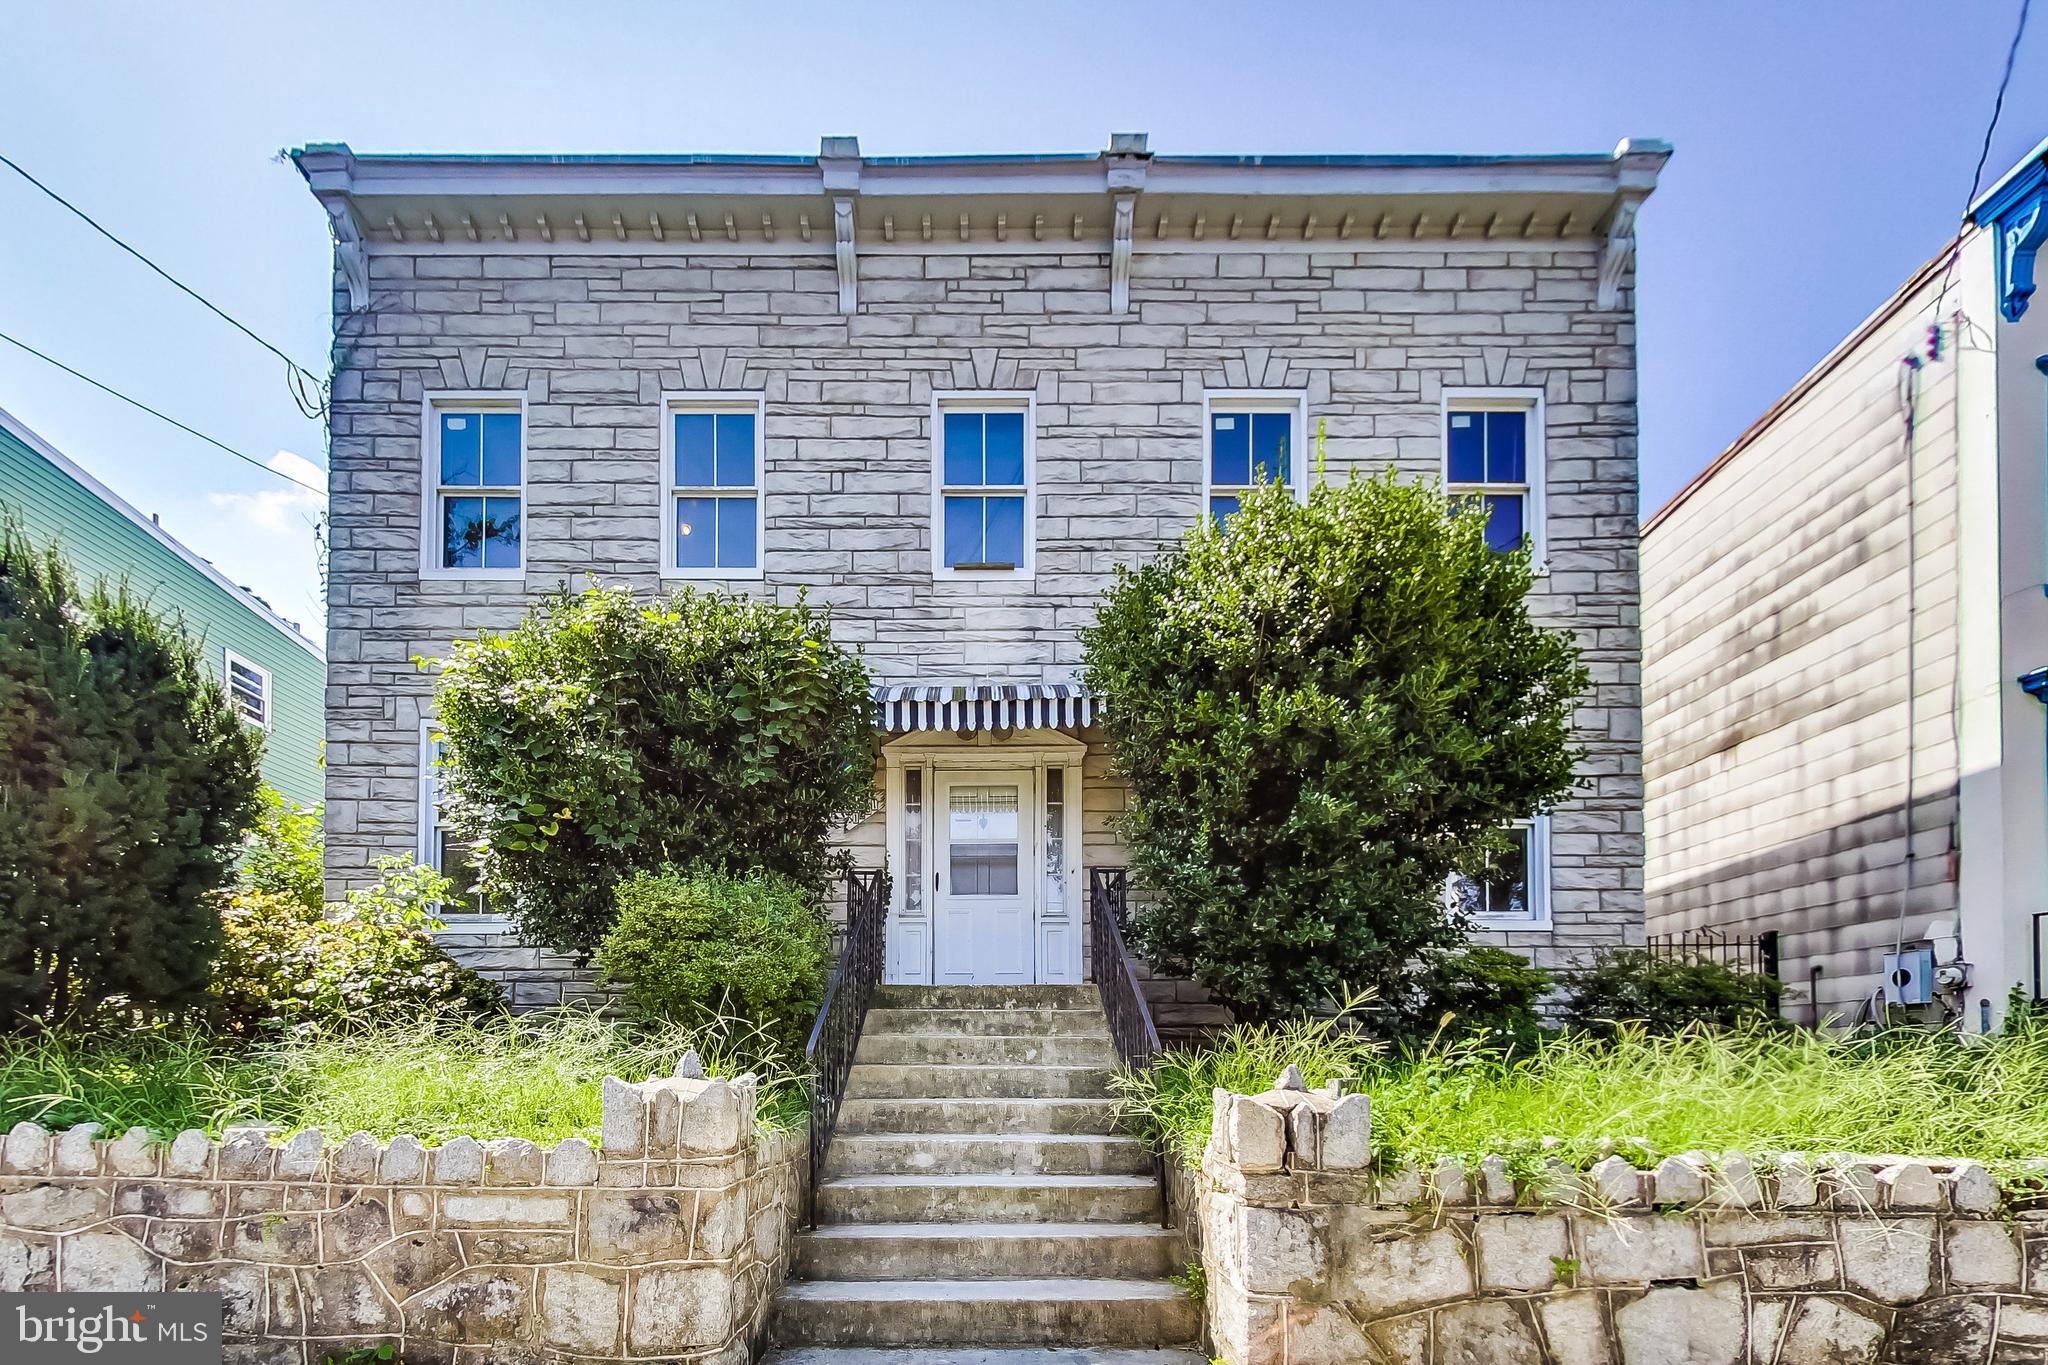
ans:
(536, 1077)
(1904, 1093)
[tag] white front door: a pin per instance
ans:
(985, 930)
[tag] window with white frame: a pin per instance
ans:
(1250, 439)
(1519, 891)
(711, 466)
(440, 848)
(1493, 453)
(476, 471)
(982, 486)
(248, 685)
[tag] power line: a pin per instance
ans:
(294, 369)
(2012, 52)
(138, 403)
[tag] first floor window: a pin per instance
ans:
(476, 463)
(248, 687)
(1518, 892)
(983, 456)
(1250, 441)
(714, 488)
(440, 847)
(1489, 458)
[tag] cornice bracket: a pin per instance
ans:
(350, 252)
(1618, 250)
(1124, 166)
(839, 165)
(1120, 254)
(2020, 238)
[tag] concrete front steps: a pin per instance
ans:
(977, 1206)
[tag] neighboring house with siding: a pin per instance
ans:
(1844, 635)
(948, 396)
(275, 676)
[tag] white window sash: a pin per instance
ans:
(1293, 402)
(711, 403)
(457, 403)
(230, 663)
(984, 401)
(1529, 402)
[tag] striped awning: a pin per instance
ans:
(904, 707)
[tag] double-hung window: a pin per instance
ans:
(476, 471)
(1493, 453)
(982, 486)
(1250, 439)
(712, 511)
(1518, 895)
(440, 849)
(248, 685)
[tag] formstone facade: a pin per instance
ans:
(665, 1243)
(974, 277)
(1318, 1254)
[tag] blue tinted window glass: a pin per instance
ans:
(1504, 521)
(1467, 441)
(462, 533)
(501, 449)
(1005, 448)
(1223, 507)
(963, 449)
(460, 447)
(694, 440)
(963, 538)
(501, 533)
(1506, 437)
(1230, 448)
(696, 534)
(1270, 437)
(735, 533)
(1005, 531)
(735, 449)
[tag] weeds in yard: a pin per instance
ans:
(1905, 1092)
(537, 1077)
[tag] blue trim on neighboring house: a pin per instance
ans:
(2036, 685)
(2016, 211)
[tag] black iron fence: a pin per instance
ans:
(836, 1033)
(1756, 953)
(1116, 977)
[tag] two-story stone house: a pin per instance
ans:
(947, 396)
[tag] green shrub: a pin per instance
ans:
(126, 781)
(1630, 986)
(606, 736)
(287, 966)
(1325, 710)
(282, 857)
(1491, 994)
(688, 948)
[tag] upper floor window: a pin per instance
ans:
(1493, 452)
(476, 469)
(982, 486)
(1519, 895)
(712, 508)
(248, 685)
(1252, 438)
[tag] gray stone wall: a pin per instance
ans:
(1371, 335)
(1317, 1255)
(664, 1243)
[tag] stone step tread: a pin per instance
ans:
(976, 1291)
(856, 1232)
(1021, 1139)
(980, 1355)
(986, 1116)
(1006, 1182)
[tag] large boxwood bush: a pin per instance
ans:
(606, 735)
(126, 781)
(1326, 710)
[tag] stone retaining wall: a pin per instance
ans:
(1314, 1256)
(664, 1243)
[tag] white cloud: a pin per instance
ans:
(285, 508)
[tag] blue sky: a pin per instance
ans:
(1824, 150)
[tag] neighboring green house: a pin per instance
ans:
(275, 676)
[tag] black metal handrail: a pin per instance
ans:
(836, 1033)
(1123, 998)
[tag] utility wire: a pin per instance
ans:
(2012, 52)
(138, 403)
(295, 371)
